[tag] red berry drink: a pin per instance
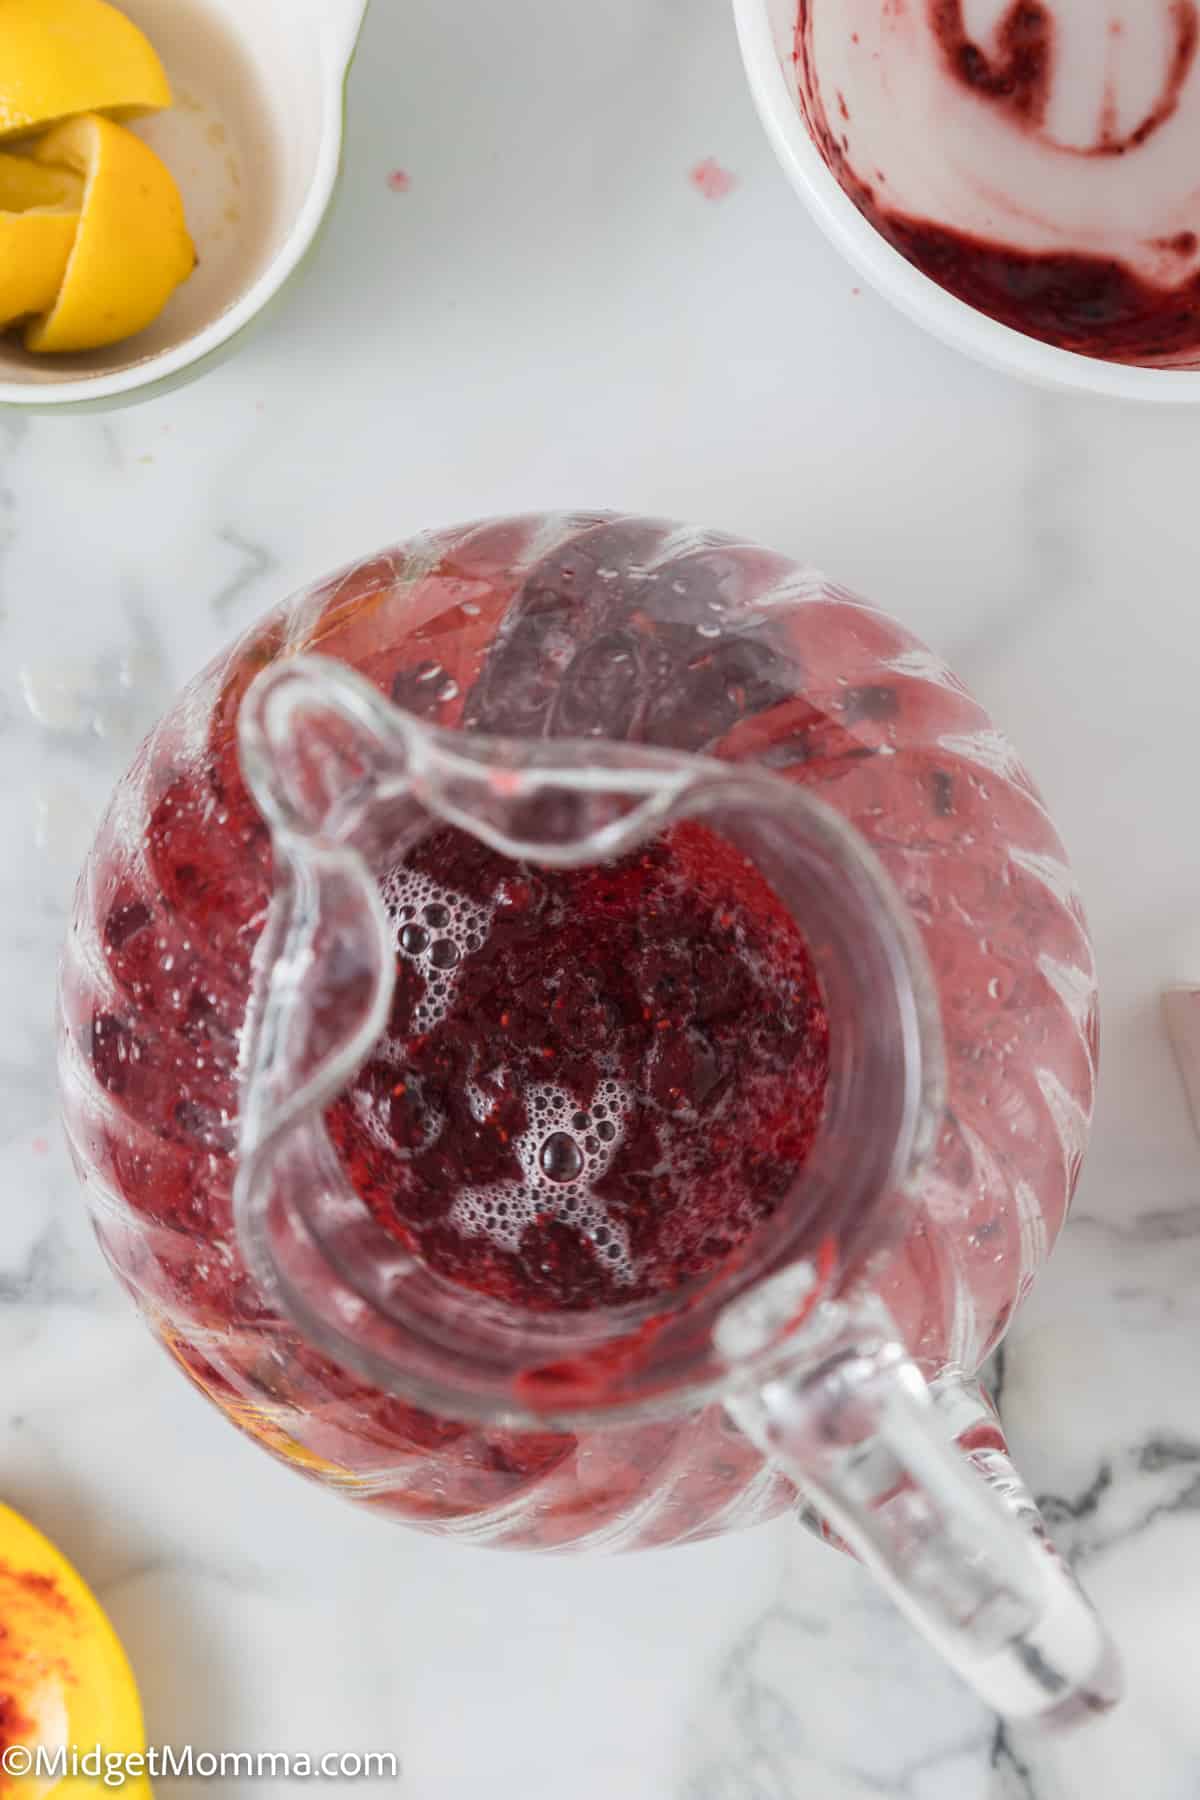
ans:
(597, 1086)
(595, 1083)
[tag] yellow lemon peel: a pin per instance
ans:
(39, 216)
(64, 1678)
(131, 249)
(61, 57)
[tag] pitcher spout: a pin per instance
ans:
(348, 784)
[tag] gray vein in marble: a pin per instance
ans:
(1056, 1509)
(239, 1576)
(1015, 1777)
(27, 1076)
(914, 1769)
(1056, 462)
(258, 561)
(43, 1279)
(994, 1375)
(1155, 1475)
(1167, 1225)
(1158, 1479)
(1056, 554)
(779, 1757)
(112, 444)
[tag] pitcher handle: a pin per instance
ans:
(923, 1492)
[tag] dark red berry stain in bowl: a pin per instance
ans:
(620, 1077)
(1096, 306)
(1093, 305)
(1019, 78)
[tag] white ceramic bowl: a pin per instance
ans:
(766, 29)
(254, 140)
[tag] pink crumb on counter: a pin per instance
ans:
(1181, 1009)
(399, 181)
(711, 180)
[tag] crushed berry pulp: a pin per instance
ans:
(622, 630)
(596, 1083)
(1092, 304)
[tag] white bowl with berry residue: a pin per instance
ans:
(767, 30)
(254, 139)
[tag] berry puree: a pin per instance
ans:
(595, 1082)
(1040, 169)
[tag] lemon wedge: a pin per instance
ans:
(25, 183)
(59, 57)
(64, 1678)
(39, 216)
(132, 247)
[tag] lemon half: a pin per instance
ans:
(132, 247)
(59, 57)
(64, 1678)
(39, 216)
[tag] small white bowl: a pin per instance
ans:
(766, 29)
(254, 140)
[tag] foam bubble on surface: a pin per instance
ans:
(562, 1153)
(436, 928)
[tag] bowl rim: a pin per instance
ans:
(168, 366)
(952, 320)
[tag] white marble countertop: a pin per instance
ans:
(553, 315)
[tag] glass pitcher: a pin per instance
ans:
(273, 944)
